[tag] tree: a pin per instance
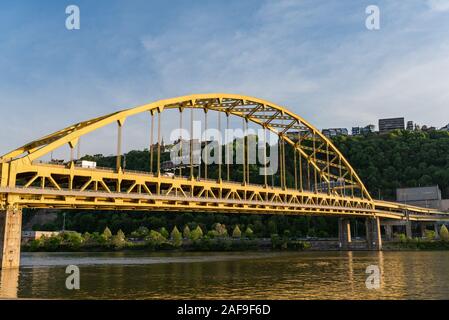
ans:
(196, 234)
(176, 237)
(156, 237)
(221, 230)
(118, 240)
(107, 234)
(140, 233)
(164, 232)
(186, 232)
(444, 234)
(236, 233)
(249, 233)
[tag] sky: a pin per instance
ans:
(315, 57)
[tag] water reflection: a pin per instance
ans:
(302, 275)
(9, 283)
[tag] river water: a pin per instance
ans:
(236, 275)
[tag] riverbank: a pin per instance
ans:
(416, 244)
(55, 244)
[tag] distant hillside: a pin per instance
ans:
(399, 159)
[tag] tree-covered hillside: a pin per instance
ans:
(399, 159)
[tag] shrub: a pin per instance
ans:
(444, 234)
(213, 234)
(236, 233)
(430, 235)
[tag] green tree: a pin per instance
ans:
(140, 233)
(107, 234)
(444, 234)
(186, 232)
(164, 232)
(236, 233)
(221, 230)
(196, 234)
(157, 237)
(176, 237)
(119, 239)
(249, 233)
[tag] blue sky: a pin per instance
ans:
(316, 57)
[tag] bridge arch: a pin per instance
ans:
(307, 140)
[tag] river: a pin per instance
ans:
(235, 275)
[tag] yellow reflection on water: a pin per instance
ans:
(9, 283)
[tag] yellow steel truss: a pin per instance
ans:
(25, 182)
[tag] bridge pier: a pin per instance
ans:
(388, 232)
(408, 229)
(344, 232)
(10, 237)
(437, 230)
(373, 233)
(423, 228)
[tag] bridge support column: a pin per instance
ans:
(408, 229)
(373, 233)
(388, 232)
(437, 231)
(344, 232)
(423, 228)
(10, 237)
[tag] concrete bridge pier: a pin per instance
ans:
(423, 228)
(10, 237)
(373, 233)
(388, 232)
(408, 229)
(437, 230)
(344, 232)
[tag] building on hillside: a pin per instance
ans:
(427, 128)
(334, 132)
(410, 125)
(445, 128)
(35, 235)
(387, 125)
(356, 131)
(426, 197)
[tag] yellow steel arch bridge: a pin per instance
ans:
(26, 182)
